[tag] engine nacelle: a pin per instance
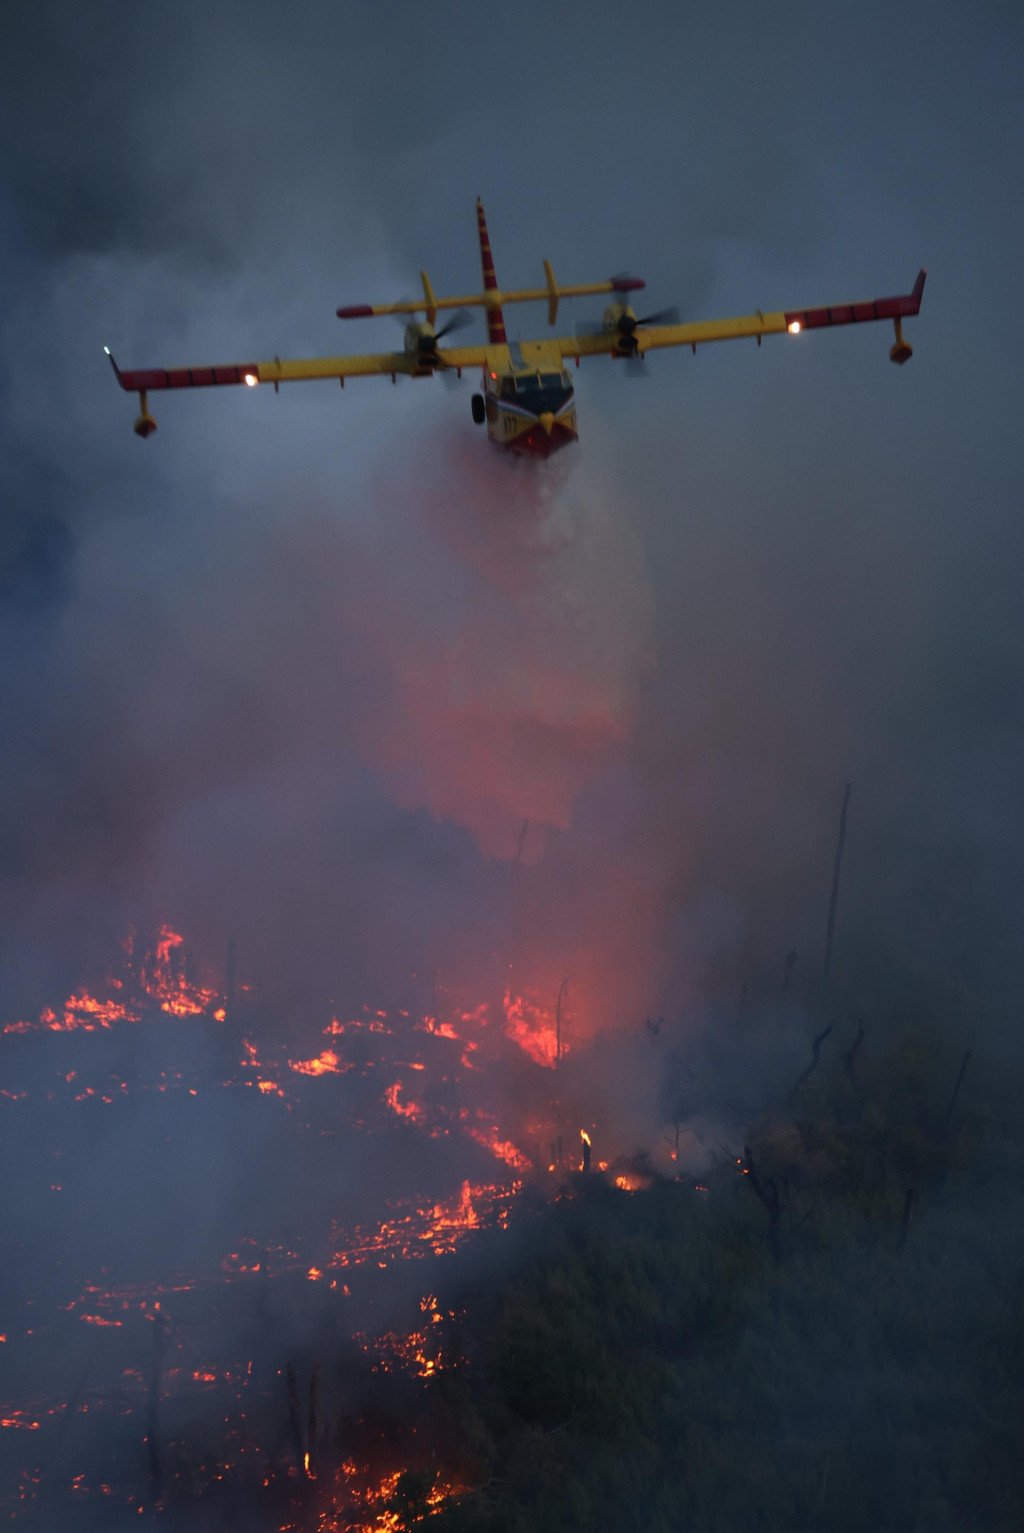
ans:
(620, 321)
(421, 346)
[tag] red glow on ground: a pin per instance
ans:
(161, 976)
(486, 1132)
(326, 1063)
(164, 978)
(410, 1110)
(533, 1028)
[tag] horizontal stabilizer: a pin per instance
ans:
(550, 294)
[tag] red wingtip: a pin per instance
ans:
(355, 311)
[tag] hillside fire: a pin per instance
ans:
(169, 1326)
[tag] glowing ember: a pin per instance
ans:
(160, 976)
(435, 1231)
(422, 1352)
(81, 1011)
(632, 1181)
(326, 1063)
(411, 1110)
(488, 1134)
(439, 1029)
(369, 1496)
(163, 978)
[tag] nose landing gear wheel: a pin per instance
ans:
(479, 409)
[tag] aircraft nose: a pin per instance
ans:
(547, 420)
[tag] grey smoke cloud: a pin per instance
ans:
(764, 573)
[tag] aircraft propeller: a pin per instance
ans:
(422, 340)
(459, 320)
(625, 324)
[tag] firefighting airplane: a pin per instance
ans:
(527, 399)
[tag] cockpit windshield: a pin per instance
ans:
(527, 382)
(537, 391)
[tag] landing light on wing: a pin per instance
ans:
(107, 350)
(251, 379)
(794, 327)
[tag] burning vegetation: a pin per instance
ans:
(154, 1357)
(499, 1330)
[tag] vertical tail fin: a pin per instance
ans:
(495, 318)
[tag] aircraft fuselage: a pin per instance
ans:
(529, 399)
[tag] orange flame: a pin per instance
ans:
(488, 1134)
(326, 1063)
(632, 1181)
(369, 1496)
(411, 1110)
(533, 1029)
(425, 1231)
(159, 977)
(164, 981)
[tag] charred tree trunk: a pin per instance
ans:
(229, 982)
(830, 928)
(850, 1057)
(295, 1419)
(768, 1194)
(815, 1055)
(956, 1089)
(563, 987)
(312, 1427)
(908, 1207)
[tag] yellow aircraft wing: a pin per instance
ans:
(388, 363)
(650, 336)
(647, 337)
(471, 356)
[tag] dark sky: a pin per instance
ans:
(299, 668)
